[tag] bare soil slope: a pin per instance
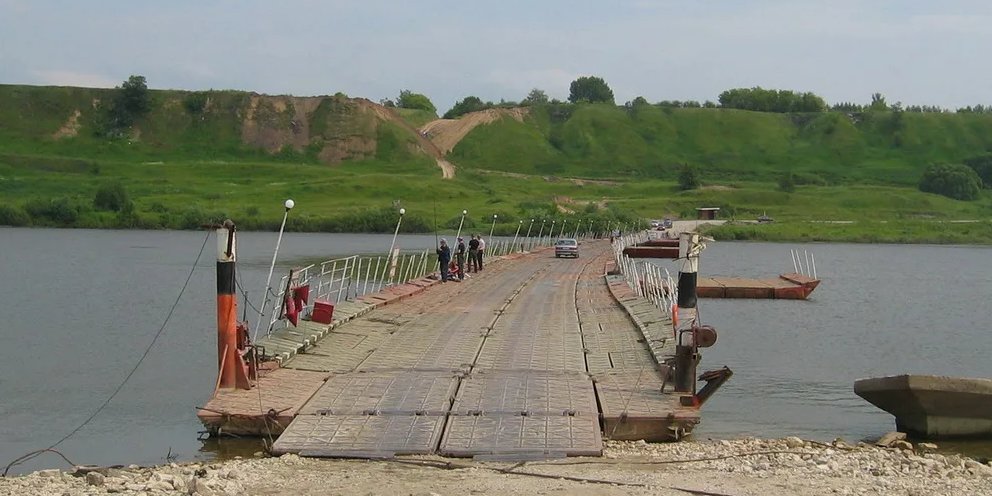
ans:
(425, 145)
(345, 128)
(446, 133)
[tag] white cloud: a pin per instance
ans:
(72, 78)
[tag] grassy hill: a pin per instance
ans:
(726, 145)
(198, 157)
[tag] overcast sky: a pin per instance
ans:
(916, 51)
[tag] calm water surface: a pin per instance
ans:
(79, 307)
(879, 310)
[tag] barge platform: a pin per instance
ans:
(534, 356)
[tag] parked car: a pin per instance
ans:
(566, 248)
(667, 223)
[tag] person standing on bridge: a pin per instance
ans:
(482, 248)
(443, 258)
(473, 253)
(460, 258)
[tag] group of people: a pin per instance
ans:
(451, 269)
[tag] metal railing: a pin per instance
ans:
(295, 278)
(499, 248)
(344, 279)
(648, 280)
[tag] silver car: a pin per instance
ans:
(567, 248)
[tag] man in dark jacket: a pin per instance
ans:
(443, 258)
(473, 251)
(460, 258)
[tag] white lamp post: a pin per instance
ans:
(493, 228)
(529, 227)
(460, 223)
(513, 244)
(288, 204)
(392, 244)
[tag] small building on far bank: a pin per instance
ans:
(706, 213)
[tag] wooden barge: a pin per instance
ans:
(790, 286)
(654, 248)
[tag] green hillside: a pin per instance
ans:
(198, 157)
(725, 144)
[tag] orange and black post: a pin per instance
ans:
(686, 352)
(232, 371)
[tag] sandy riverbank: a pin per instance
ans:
(740, 467)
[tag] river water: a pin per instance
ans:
(79, 308)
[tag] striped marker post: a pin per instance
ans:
(686, 354)
(231, 367)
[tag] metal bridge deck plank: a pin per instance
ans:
(634, 406)
(400, 392)
(506, 435)
(537, 393)
(347, 435)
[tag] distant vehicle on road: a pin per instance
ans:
(566, 247)
(667, 223)
(655, 224)
(765, 219)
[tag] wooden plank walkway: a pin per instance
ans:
(535, 356)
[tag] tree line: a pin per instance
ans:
(594, 89)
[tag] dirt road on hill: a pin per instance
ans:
(425, 144)
(446, 133)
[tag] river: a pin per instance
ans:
(79, 308)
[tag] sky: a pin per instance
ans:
(921, 52)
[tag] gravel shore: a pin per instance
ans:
(739, 467)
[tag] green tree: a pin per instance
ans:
(411, 100)
(195, 102)
(878, 102)
(535, 97)
(983, 166)
(129, 102)
(112, 196)
(951, 180)
(466, 105)
(688, 177)
(759, 99)
(133, 96)
(637, 102)
(590, 89)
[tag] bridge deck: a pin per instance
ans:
(535, 356)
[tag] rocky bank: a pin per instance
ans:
(739, 467)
